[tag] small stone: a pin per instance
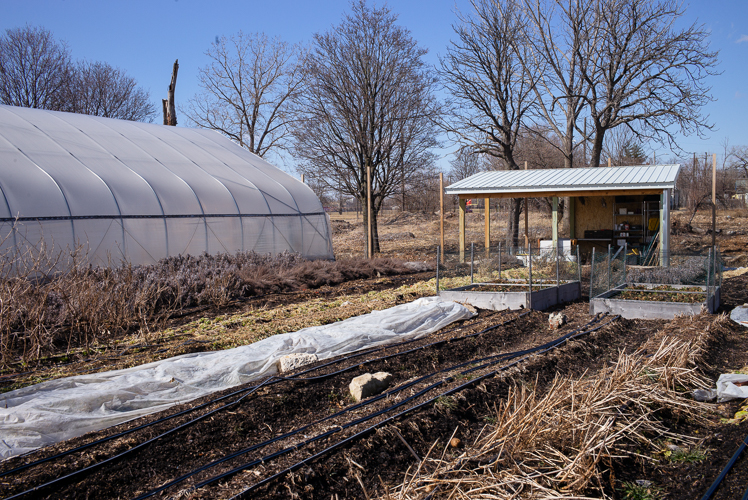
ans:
(291, 362)
(455, 443)
(555, 320)
(643, 483)
(369, 384)
(704, 394)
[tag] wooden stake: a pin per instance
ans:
(487, 214)
(463, 210)
(302, 178)
(609, 162)
(527, 215)
(441, 212)
(370, 240)
(714, 201)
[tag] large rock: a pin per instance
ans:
(369, 384)
(291, 362)
(555, 320)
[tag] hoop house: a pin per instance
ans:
(137, 192)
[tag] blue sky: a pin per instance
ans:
(144, 38)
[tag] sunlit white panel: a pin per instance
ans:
(101, 241)
(145, 240)
(85, 193)
(133, 194)
(187, 236)
(278, 198)
(224, 235)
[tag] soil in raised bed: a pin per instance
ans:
(663, 293)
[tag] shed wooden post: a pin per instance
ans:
(554, 223)
(441, 213)
(572, 218)
(487, 215)
(463, 209)
(665, 228)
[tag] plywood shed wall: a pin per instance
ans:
(593, 214)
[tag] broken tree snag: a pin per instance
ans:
(170, 111)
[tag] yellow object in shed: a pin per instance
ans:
(653, 224)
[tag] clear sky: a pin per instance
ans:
(144, 37)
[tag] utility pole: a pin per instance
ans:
(169, 109)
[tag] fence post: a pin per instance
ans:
(579, 268)
(708, 280)
(499, 262)
(625, 250)
(529, 273)
(558, 282)
(610, 269)
(472, 253)
(592, 271)
(438, 251)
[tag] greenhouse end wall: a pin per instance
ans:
(119, 191)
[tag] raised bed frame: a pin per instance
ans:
(647, 309)
(547, 296)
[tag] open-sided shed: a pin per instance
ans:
(613, 205)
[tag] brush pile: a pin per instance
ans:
(561, 443)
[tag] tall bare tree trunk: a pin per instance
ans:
(169, 109)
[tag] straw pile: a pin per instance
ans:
(561, 444)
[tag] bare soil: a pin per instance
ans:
(271, 428)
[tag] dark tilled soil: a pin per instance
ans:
(378, 460)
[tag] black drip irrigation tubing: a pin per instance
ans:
(495, 359)
(247, 390)
(713, 488)
(369, 430)
(334, 415)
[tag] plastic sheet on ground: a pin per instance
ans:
(740, 315)
(57, 410)
(730, 386)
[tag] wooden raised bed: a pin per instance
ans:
(655, 301)
(514, 294)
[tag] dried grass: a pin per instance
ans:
(560, 444)
(43, 312)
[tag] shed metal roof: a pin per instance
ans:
(545, 182)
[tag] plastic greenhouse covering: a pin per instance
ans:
(137, 192)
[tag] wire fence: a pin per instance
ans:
(520, 267)
(619, 268)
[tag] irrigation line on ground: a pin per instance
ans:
(337, 414)
(248, 391)
(496, 359)
(369, 430)
(724, 472)
(273, 380)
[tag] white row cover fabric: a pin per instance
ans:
(46, 413)
(139, 192)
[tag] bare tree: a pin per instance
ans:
(483, 72)
(369, 104)
(35, 69)
(466, 163)
(99, 89)
(561, 39)
(247, 90)
(623, 147)
(647, 74)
